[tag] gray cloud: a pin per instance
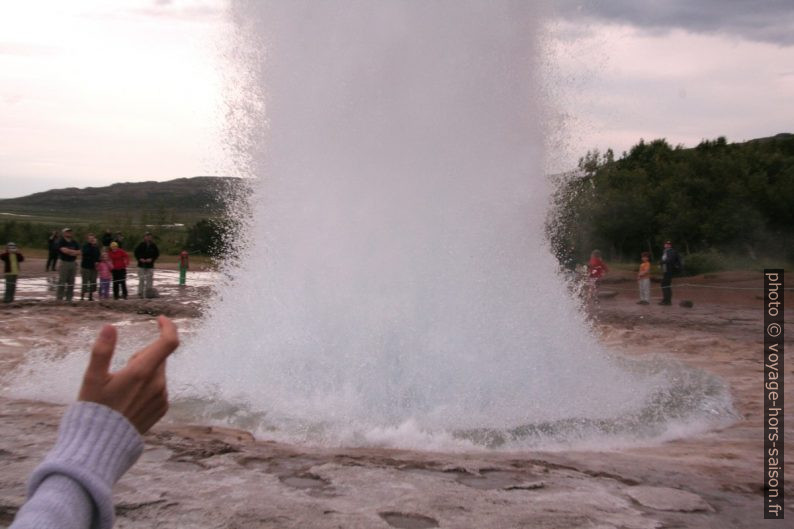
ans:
(763, 20)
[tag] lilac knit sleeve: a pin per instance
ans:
(72, 487)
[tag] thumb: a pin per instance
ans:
(102, 353)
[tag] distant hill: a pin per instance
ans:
(183, 200)
(776, 137)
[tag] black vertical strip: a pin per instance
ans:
(774, 441)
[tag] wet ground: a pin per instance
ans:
(207, 477)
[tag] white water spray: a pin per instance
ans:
(395, 286)
(396, 281)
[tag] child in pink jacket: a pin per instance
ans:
(103, 267)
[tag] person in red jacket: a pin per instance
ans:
(596, 268)
(120, 260)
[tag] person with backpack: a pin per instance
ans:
(671, 265)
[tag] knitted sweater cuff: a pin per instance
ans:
(96, 446)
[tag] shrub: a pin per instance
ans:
(703, 262)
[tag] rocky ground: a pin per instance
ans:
(207, 477)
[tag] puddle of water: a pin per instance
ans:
(304, 482)
(165, 281)
(491, 480)
(408, 520)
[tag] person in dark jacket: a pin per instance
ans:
(88, 271)
(52, 247)
(146, 253)
(69, 251)
(119, 239)
(671, 264)
(107, 238)
(11, 259)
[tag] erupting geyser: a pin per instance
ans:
(395, 285)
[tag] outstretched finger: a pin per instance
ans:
(150, 357)
(102, 353)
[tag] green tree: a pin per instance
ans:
(716, 196)
(206, 237)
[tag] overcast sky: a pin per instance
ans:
(676, 69)
(100, 91)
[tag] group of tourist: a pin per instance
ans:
(102, 264)
(670, 265)
(107, 263)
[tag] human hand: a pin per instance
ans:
(138, 390)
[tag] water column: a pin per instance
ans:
(394, 281)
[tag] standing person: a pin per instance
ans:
(52, 251)
(11, 258)
(104, 268)
(107, 238)
(146, 253)
(644, 279)
(119, 238)
(119, 262)
(184, 264)
(671, 264)
(68, 251)
(88, 264)
(596, 268)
